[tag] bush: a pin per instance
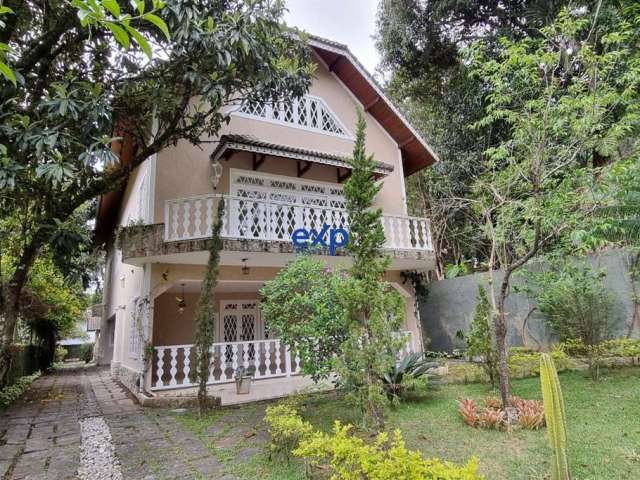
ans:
(60, 354)
(620, 347)
(11, 393)
(480, 341)
(526, 363)
(344, 456)
(409, 374)
(86, 352)
(286, 428)
(530, 413)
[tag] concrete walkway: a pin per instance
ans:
(69, 422)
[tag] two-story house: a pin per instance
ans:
(280, 168)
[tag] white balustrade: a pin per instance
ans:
(260, 219)
(262, 358)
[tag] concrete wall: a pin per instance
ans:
(450, 304)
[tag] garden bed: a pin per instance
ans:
(604, 436)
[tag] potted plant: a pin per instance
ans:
(243, 381)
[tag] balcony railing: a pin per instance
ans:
(172, 365)
(258, 219)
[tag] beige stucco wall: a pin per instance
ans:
(125, 281)
(184, 170)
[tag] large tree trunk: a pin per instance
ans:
(500, 327)
(11, 296)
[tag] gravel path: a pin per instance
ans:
(97, 455)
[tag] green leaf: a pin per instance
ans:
(112, 6)
(8, 73)
(140, 40)
(119, 33)
(4, 9)
(139, 5)
(158, 22)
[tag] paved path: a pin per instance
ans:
(41, 435)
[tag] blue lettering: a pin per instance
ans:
(338, 237)
(300, 237)
(337, 234)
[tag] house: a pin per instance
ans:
(279, 168)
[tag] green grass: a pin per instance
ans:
(603, 427)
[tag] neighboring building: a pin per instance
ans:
(281, 169)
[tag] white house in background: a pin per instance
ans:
(280, 168)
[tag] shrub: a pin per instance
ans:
(60, 354)
(86, 352)
(480, 342)
(526, 363)
(12, 392)
(469, 411)
(408, 374)
(286, 428)
(492, 419)
(530, 413)
(347, 457)
(465, 373)
(576, 305)
(620, 347)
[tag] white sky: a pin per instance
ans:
(351, 22)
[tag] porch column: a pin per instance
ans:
(147, 327)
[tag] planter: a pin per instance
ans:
(243, 384)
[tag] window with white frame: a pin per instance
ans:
(309, 113)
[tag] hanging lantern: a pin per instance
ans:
(216, 171)
(182, 304)
(245, 268)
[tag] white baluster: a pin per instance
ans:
(267, 359)
(208, 217)
(159, 366)
(187, 365)
(173, 370)
(245, 355)
(234, 357)
(197, 219)
(186, 220)
(174, 224)
(277, 357)
(212, 363)
(297, 370)
(287, 360)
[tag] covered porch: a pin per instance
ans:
(242, 339)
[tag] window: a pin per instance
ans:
(310, 113)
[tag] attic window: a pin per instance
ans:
(310, 113)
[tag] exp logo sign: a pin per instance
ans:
(337, 237)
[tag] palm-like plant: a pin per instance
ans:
(412, 367)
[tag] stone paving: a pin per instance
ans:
(40, 434)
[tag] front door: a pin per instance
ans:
(239, 323)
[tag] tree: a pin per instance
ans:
(374, 310)
(302, 307)
(85, 81)
(422, 46)
(576, 305)
(568, 99)
(480, 340)
(205, 313)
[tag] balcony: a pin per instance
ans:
(270, 220)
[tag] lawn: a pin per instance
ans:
(603, 428)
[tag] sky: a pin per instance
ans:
(351, 22)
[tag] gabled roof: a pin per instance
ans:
(249, 143)
(416, 153)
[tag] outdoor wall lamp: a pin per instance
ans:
(182, 304)
(216, 171)
(245, 268)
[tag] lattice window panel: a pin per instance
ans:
(250, 180)
(310, 113)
